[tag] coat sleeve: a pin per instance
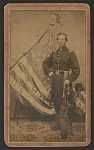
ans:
(75, 67)
(47, 63)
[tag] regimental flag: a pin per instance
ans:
(28, 79)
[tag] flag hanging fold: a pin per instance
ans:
(28, 79)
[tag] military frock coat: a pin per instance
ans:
(63, 60)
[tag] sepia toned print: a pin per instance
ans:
(47, 75)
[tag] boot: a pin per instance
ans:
(57, 126)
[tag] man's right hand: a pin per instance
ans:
(50, 74)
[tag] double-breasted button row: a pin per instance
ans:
(58, 59)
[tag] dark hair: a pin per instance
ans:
(62, 34)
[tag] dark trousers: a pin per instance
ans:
(57, 90)
(61, 106)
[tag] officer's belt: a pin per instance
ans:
(57, 72)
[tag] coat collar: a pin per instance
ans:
(63, 48)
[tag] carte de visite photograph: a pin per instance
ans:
(47, 88)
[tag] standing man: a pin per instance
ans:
(56, 66)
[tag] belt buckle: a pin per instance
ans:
(57, 72)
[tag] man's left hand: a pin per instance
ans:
(67, 82)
